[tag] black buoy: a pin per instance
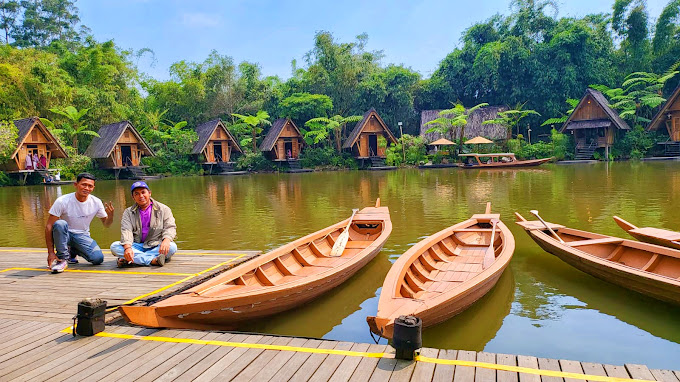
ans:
(407, 336)
(91, 315)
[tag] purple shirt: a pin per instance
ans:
(145, 217)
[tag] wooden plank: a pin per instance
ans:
(292, 365)
(330, 364)
(444, 373)
(234, 353)
(403, 370)
(549, 364)
(345, 370)
(366, 366)
(465, 373)
(508, 360)
(530, 362)
(571, 367)
(281, 358)
(639, 371)
(616, 371)
(193, 354)
(240, 363)
(383, 370)
(664, 375)
(425, 370)
(483, 374)
(312, 363)
(262, 361)
(593, 369)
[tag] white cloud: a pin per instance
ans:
(202, 20)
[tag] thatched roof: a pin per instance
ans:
(473, 128)
(354, 135)
(660, 115)
(102, 146)
(601, 101)
(24, 126)
(478, 141)
(441, 142)
(274, 133)
(205, 131)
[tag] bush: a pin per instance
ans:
(5, 180)
(254, 162)
(73, 165)
(634, 144)
(414, 150)
(315, 157)
(171, 164)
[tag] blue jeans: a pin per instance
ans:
(81, 243)
(142, 256)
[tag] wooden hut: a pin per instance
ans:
(33, 138)
(668, 117)
(119, 146)
(594, 124)
(283, 142)
(363, 140)
(474, 127)
(215, 146)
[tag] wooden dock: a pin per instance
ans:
(38, 345)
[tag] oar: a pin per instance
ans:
(341, 242)
(490, 254)
(535, 213)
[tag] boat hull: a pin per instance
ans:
(656, 236)
(523, 163)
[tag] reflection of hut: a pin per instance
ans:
(594, 125)
(215, 145)
(119, 146)
(364, 140)
(473, 128)
(32, 138)
(669, 117)
(283, 141)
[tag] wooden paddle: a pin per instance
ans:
(341, 241)
(490, 254)
(535, 213)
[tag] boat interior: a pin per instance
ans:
(305, 260)
(622, 251)
(449, 262)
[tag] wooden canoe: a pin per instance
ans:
(651, 235)
(646, 268)
(274, 282)
(495, 161)
(444, 274)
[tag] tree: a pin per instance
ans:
(572, 102)
(9, 10)
(251, 124)
(304, 106)
(510, 118)
(45, 21)
(336, 124)
(8, 140)
(73, 128)
(453, 120)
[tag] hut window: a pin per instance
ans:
(34, 135)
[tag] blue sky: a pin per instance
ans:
(272, 33)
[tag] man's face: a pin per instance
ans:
(142, 196)
(84, 187)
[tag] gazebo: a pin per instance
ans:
(119, 147)
(215, 146)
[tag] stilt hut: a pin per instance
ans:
(33, 138)
(364, 140)
(283, 142)
(594, 125)
(215, 146)
(668, 120)
(119, 147)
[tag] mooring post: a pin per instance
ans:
(407, 337)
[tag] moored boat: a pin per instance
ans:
(499, 160)
(651, 235)
(274, 282)
(445, 273)
(646, 268)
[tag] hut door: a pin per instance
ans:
(675, 136)
(217, 152)
(372, 145)
(288, 146)
(126, 153)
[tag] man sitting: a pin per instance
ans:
(68, 226)
(147, 231)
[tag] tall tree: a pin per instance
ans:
(73, 127)
(9, 10)
(251, 124)
(45, 21)
(337, 124)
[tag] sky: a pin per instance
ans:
(416, 34)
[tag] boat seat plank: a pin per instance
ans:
(606, 240)
(474, 230)
(358, 244)
(328, 261)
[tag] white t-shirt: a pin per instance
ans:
(78, 215)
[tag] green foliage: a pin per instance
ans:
(510, 118)
(250, 124)
(326, 157)
(73, 165)
(321, 126)
(254, 162)
(452, 121)
(413, 148)
(557, 147)
(301, 107)
(572, 102)
(170, 163)
(634, 145)
(5, 180)
(8, 139)
(73, 128)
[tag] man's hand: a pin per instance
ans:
(51, 256)
(165, 246)
(129, 254)
(108, 207)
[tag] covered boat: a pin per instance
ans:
(445, 273)
(499, 160)
(651, 235)
(271, 283)
(646, 268)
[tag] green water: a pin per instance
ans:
(541, 306)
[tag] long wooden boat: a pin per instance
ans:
(646, 268)
(651, 235)
(445, 273)
(279, 280)
(500, 160)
